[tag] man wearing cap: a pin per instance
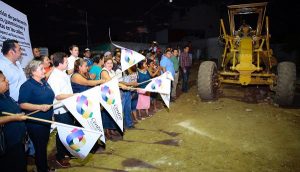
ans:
(87, 57)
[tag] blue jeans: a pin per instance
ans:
(185, 79)
(126, 105)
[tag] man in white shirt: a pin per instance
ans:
(61, 85)
(11, 67)
(74, 50)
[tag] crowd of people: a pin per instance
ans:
(47, 80)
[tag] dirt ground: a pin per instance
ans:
(241, 131)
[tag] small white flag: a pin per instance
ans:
(166, 99)
(77, 140)
(110, 99)
(159, 84)
(85, 107)
(129, 57)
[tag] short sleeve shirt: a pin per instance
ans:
(60, 83)
(37, 93)
(168, 64)
(71, 61)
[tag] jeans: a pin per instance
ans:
(65, 118)
(185, 79)
(126, 105)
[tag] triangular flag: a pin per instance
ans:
(110, 99)
(159, 84)
(77, 140)
(85, 107)
(129, 57)
(166, 99)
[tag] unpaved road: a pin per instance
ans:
(241, 131)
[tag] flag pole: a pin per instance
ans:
(40, 110)
(145, 81)
(51, 122)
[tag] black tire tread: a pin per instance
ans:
(286, 83)
(205, 82)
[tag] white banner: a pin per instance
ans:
(77, 140)
(14, 25)
(110, 99)
(159, 84)
(85, 107)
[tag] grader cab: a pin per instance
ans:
(247, 58)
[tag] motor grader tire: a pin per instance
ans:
(207, 80)
(286, 83)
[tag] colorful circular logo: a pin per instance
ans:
(128, 54)
(107, 95)
(84, 107)
(76, 139)
(156, 84)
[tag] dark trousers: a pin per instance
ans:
(185, 79)
(65, 118)
(14, 160)
(39, 135)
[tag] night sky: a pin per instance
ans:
(59, 23)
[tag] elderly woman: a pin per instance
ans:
(80, 79)
(36, 94)
(14, 158)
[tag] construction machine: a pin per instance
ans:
(247, 57)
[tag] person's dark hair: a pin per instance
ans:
(186, 46)
(149, 61)
(140, 64)
(117, 52)
(133, 68)
(167, 50)
(73, 46)
(7, 45)
(42, 58)
(174, 50)
(77, 63)
(1, 72)
(58, 57)
(97, 58)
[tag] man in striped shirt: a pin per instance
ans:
(185, 63)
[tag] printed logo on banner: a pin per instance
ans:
(128, 54)
(156, 84)
(107, 95)
(76, 139)
(84, 107)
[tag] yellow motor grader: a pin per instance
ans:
(247, 58)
